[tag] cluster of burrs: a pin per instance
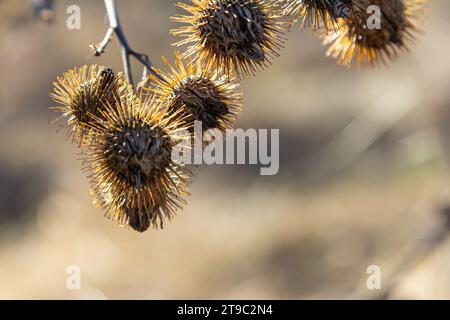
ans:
(128, 136)
(239, 37)
(372, 32)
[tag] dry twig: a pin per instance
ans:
(126, 51)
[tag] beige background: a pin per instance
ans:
(363, 175)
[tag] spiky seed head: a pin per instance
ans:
(400, 21)
(198, 95)
(236, 37)
(318, 14)
(130, 164)
(81, 94)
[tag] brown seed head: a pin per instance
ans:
(81, 94)
(198, 95)
(399, 25)
(318, 14)
(236, 37)
(130, 164)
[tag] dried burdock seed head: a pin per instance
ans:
(235, 37)
(198, 95)
(318, 14)
(81, 94)
(358, 37)
(130, 164)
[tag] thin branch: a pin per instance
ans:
(126, 51)
(99, 48)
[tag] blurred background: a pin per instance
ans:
(363, 175)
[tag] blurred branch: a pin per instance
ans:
(423, 249)
(126, 51)
(383, 114)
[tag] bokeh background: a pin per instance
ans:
(363, 176)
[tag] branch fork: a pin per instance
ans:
(126, 51)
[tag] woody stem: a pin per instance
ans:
(126, 51)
